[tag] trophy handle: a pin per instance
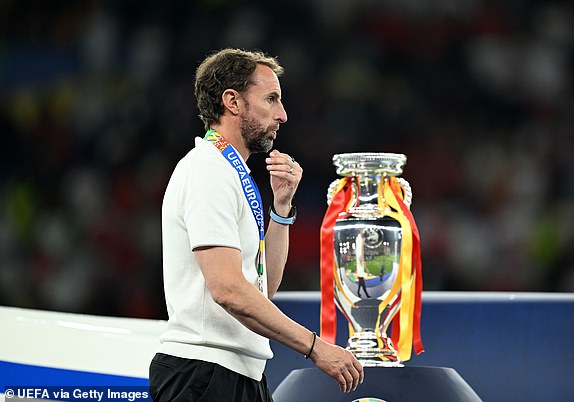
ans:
(407, 192)
(331, 190)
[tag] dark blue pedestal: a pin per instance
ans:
(389, 384)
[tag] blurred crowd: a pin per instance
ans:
(97, 107)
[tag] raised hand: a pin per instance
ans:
(285, 175)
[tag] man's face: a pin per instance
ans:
(262, 112)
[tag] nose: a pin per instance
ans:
(281, 114)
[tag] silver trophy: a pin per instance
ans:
(367, 245)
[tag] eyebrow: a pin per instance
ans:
(275, 93)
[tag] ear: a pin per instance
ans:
(230, 99)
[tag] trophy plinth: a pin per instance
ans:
(429, 384)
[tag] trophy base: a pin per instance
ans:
(429, 384)
(376, 362)
(376, 358)
(371, 351)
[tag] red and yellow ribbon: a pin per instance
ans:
(408, 286)
(339, 204)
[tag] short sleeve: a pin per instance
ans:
(212, 203)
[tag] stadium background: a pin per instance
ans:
(96, 108)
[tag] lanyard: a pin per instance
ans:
(250, 190)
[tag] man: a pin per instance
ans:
(219, 274)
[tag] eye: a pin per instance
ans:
(271, 99)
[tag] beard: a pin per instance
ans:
(256, 137)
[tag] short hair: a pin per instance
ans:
(226, 69)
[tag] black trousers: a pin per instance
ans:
(175, 379)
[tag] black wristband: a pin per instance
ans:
(312, 346)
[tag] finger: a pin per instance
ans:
(342, 382)
(284, 170)
(348, 380)
(360, 370)
(280, 156)
(277, 157)
(283, 163)
(280, 159)
(356, 378)
(290, 174)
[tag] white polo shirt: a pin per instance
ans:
(204, 205)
